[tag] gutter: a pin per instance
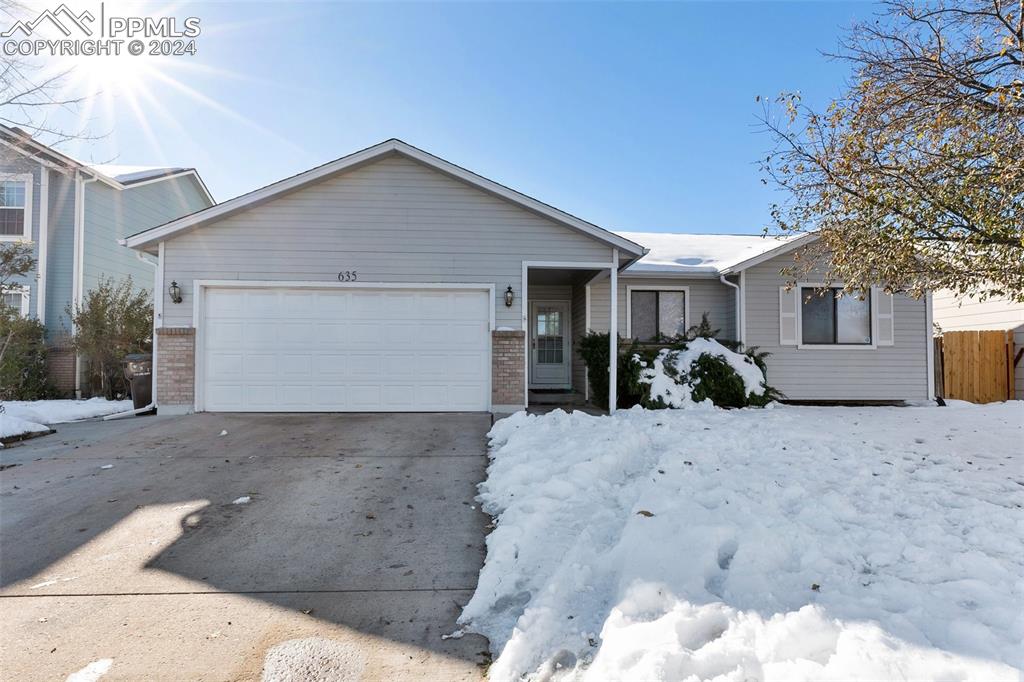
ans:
(739, 307)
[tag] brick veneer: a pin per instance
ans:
(176, 366)
(60, 366)
(508, 387)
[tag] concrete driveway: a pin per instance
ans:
(352, 557)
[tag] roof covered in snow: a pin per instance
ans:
(698, 253)
(126, 175)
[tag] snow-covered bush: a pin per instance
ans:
(701, 371)
(686, 371)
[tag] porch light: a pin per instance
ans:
(509, 296)
(175, 292)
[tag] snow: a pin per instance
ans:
(60, 411)
(679, 395)
(91, 672)
(689, 253)
(11, 426)
(798, 543)
(130, 174)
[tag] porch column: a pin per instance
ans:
(613, 334)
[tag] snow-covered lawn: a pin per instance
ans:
(793, 543)
(60, 411)
(20, 417)
(16, 426)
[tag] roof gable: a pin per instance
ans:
(148, 239)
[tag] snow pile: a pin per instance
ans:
(92, 672)
(675, 388)
(796, 543)
(11, 426)
(60, 411)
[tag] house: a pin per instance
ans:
(966, 313)
(74, 214)
(393, 280)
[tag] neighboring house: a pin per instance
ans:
(392, 280)
(74, 215)
(967, 313)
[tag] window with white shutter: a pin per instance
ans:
(788, 305)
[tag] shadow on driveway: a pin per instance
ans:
(358, 529)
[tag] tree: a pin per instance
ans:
(16, 260)
(915, 176)
(32, 92)
(22, 344)
(114, 320)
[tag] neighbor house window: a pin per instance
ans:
(16, 300)
(14, 220)
(827, 319)
(656, 314)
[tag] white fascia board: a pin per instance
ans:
(146, 239)
(172, 176)
(665, 274)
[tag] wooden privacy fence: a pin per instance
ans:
(975, 365)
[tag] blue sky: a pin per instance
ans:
(635, 116)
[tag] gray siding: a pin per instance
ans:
(13, 162)
(391, 221)
(705, 296)
(897, 372)
(112, 214)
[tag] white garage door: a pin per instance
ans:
(345, 350)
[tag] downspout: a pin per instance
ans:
(44, 241)
(79, 264)
(152, 375)
(739, 307)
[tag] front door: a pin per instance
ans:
(549, 344)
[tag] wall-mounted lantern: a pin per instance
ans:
(175, 292)
(509, 296)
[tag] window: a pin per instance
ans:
(14, 213)
(656, 313)
(549, 336)
(16, 299)
(827, 319)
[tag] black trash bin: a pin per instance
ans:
(138, 370)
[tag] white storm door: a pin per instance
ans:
(345, 350)
(550, 345)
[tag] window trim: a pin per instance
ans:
(873, 313)
(25, 297)
(26, 228)
(654, 287)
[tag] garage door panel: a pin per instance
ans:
(226, 366)
(333, 366)
(257, 335)
(330, 334)
(229, 396)
(225, 334)
(345, 350)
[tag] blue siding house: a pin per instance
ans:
(74, 215)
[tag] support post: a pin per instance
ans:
(613, 334)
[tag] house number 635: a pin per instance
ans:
(347, 276)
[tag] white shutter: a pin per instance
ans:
(884, 306)
(788, 307)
